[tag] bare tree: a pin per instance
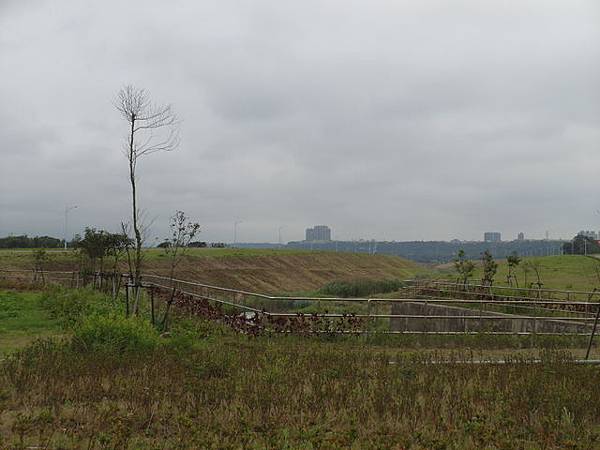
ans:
(183, 232)
(536, 266)
(151, 129)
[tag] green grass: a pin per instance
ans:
(571, 272)
(153, 253)
(26, 255)
(115, 383)
(360, 288)
(23, 319)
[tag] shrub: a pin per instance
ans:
(116, 335)
(360, 288)
(71, 306)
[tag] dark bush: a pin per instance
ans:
(360, 288)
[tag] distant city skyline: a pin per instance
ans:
(288, 235)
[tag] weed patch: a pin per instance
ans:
(360, 288)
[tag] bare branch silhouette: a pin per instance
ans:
(151, 129)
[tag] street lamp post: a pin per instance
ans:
(235, 224)
(279, 235)
(67, 209)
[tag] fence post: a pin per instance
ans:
(127, 300)
(481, 317)
(152, 304)
(587, 354)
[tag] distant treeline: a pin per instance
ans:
(438, 251)
(25, 241)
(581, 245)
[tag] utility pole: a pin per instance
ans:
(279, 235)
(67, 209)
(235, 224)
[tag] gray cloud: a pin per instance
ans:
(391, 120)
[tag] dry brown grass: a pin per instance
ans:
(118, 385)
(236, 393)
(267, 272)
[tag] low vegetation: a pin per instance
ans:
(360, 288)
(258, 270)
(23, 319)
(115, 383)
(555, 272)
(78, 373)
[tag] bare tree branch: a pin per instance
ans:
(151, 129)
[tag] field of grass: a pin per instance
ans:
(115, 383)
(25, 256)
(23, 319)
(231, 252)
(558, 272)
(572, 272)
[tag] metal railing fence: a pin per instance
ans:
(470, 312)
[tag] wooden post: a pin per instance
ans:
(127, 300)
(152, 304)
(587, 354)
(480, 317)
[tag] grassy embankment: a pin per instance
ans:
(115, 383)
(265, 271)
(572, 272)
(558, 272)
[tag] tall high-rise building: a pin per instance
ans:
(318, 233)
(521, 236)
(492, 236)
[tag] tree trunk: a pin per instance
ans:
(136, 230)
(164, 322)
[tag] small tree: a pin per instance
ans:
(96, 246)
(464, 268)
(151, 129)
(535, 266)
(513, 262)
(40, 258)
(490, 267)
(183, 232)
(118, 245)
(93, 247)
(526, 269)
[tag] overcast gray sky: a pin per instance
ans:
(383, 119)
